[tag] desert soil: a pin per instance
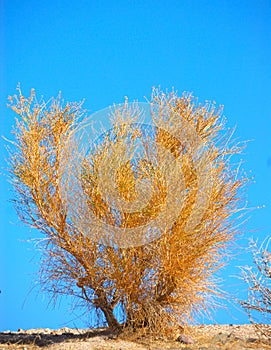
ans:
(205, 337)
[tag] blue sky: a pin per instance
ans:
(105, 50)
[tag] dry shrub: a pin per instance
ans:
(258, 280)
(154, 286)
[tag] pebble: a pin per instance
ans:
(252, 340)
(223, 338)
(185, 339)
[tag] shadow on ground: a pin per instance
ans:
(42, 340)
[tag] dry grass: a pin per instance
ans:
(258, 279)
(161, 284)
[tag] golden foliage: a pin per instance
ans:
(161, 284)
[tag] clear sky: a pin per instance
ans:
(105, 50)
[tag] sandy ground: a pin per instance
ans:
(205, 337)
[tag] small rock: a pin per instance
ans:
(47, 331)
(220, 338)
(65, 330)
(111, 337)
(224, 338)
(185, 339)
(252, 340)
